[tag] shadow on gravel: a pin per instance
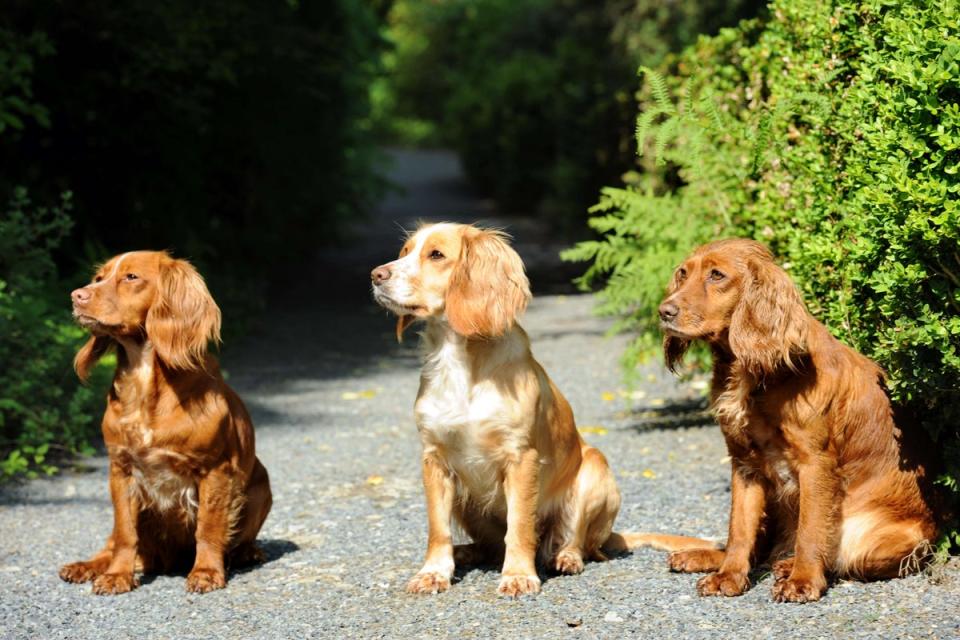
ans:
(460, 571)
(556, 334)
(677, 414)
(273, 549)
(320, 340)
(25, 500)
(261, 414)
(544, 573)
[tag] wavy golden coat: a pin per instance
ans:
(186, 485)
(501, 453)
(820, 478)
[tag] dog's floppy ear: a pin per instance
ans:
(89, 354)
(769, 324)
(184, 318)
(488, 288)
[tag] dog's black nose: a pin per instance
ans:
(380, 274)
(669, 311)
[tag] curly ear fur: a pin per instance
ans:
(403, 322)
(184, 318)
(89, 354)
(673, 351)
(489, 288)
(674, 348)
(769, 324)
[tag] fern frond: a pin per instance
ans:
(644, 125)
(658, 86)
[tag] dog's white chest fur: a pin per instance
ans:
(161, 487)
(158, 474)
(467, 421)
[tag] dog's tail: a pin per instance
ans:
(622, 542)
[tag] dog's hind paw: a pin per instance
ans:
(798, 590)
(723, 584)
(569, 561)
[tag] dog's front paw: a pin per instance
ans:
(799, 590)
(695, 560)
(202, 580)
(80, 571)
(516, 586)
(428, 582)
(723, 584)
(569, 561)
(111, 584)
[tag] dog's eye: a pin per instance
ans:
(130, 277)
(681, 274)
(98, 279)
(436, 255)
(716, 276)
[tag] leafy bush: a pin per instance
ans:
(831, 132)
(44, 413)
(535, 95)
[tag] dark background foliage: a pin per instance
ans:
(537, 96)
(232, 133)
(229, 131)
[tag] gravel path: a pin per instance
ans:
(331, 394)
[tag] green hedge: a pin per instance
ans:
(831, 132)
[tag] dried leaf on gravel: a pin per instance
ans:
(594, 429)
(608, 396)
(375, 480)
(358, 395)
(649, 474)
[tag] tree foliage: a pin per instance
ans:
(537, 96)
